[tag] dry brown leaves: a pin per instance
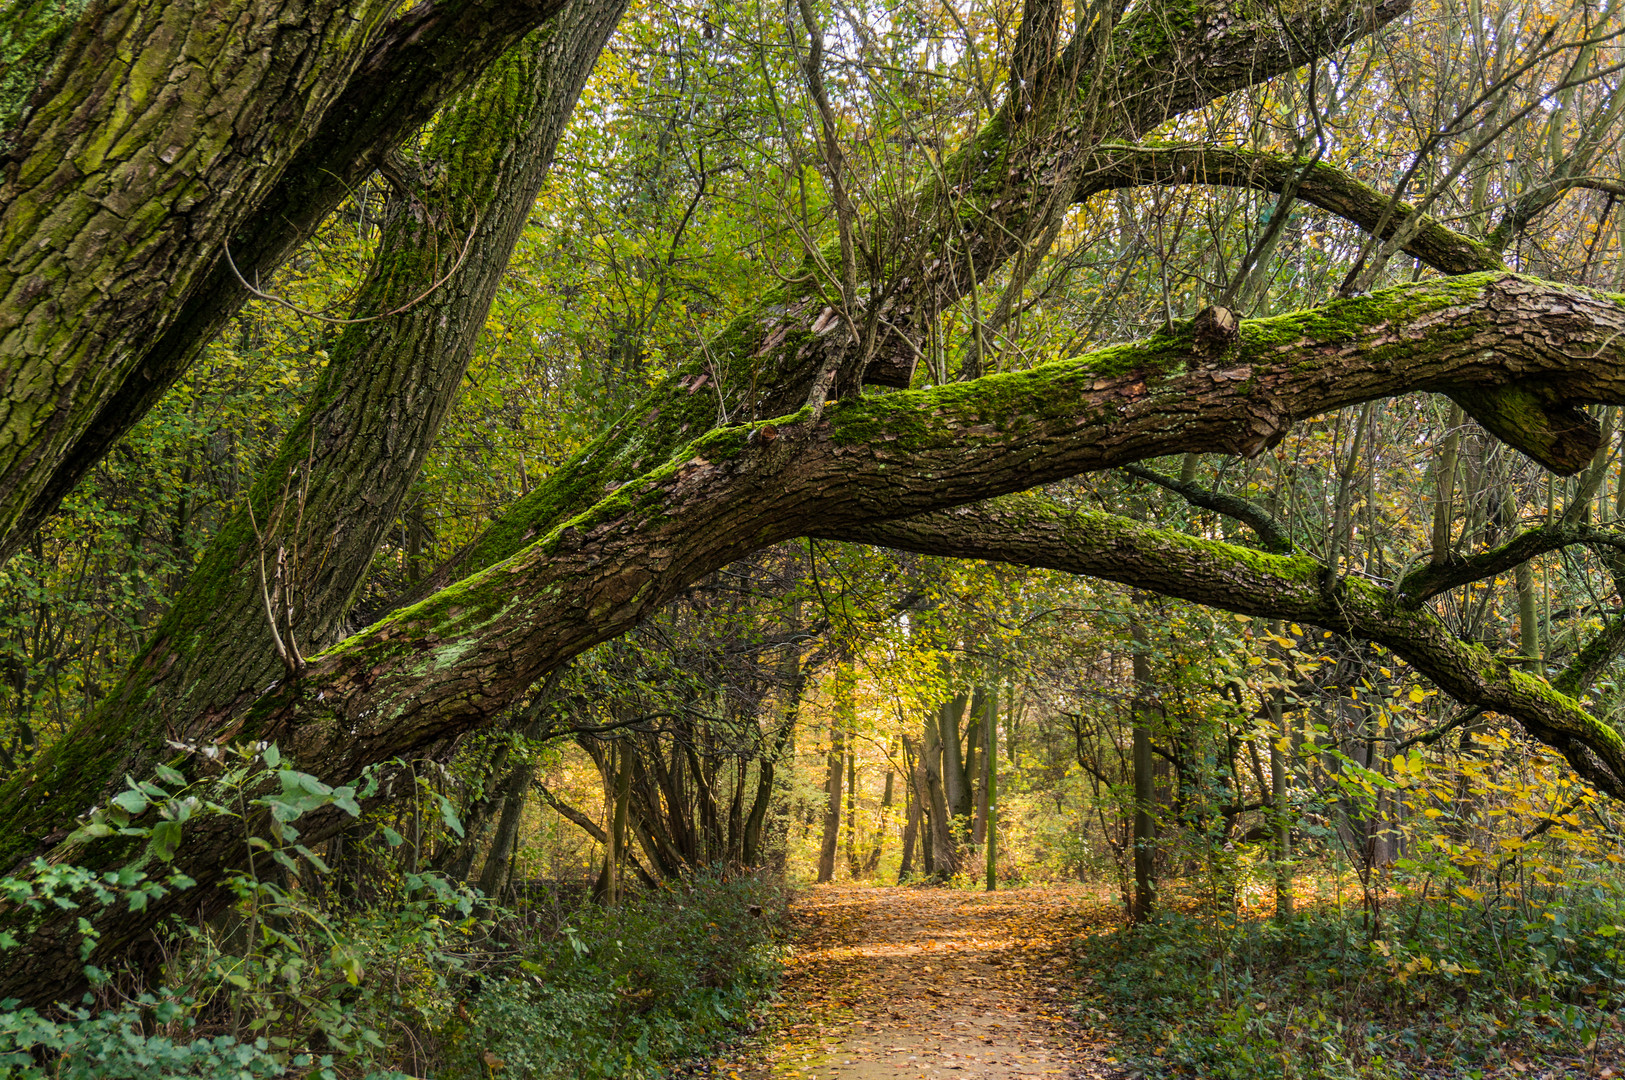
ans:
(895, 982)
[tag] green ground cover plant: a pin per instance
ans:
(420, 976)
(1444, 988)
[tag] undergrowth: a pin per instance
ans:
(1439, 988)
(625, 992)
(422, 977)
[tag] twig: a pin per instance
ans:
(468, 243)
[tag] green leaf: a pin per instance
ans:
(272, 756)
(170, 776)
(94, 831)
(348, 963)
(131, 801)
(344, 799)
(315, 860)
(448, 814)
(166, 838)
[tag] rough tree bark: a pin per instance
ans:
(338, 481)
(956, 787)
(141, 137)
(660, 499)
(452, 662)
(840, 731)
(943, 860)
(832, 805)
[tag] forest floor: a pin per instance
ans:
(917, 982)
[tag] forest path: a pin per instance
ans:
(919, 982)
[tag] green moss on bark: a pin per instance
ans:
(31, 34)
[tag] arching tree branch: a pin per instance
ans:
(1272, 534)
(1023, 530)
(458, 659)
(1326, 186)
(1422, 585)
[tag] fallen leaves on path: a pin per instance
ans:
(911, 982)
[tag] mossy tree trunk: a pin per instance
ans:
(660, 499)
(138, 139)
(461, 658)
(283, 572)
(314, 520)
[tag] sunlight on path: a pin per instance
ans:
(911, 982)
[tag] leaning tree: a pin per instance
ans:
(161, 159)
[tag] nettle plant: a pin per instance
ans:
(287, 979)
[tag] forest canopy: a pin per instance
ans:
(433, 384)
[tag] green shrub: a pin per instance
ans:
(424, 974)
(1321, 997)
(114, 1043)
(625, 992)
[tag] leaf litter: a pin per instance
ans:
(885, 983)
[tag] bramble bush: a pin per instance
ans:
(423, 975)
